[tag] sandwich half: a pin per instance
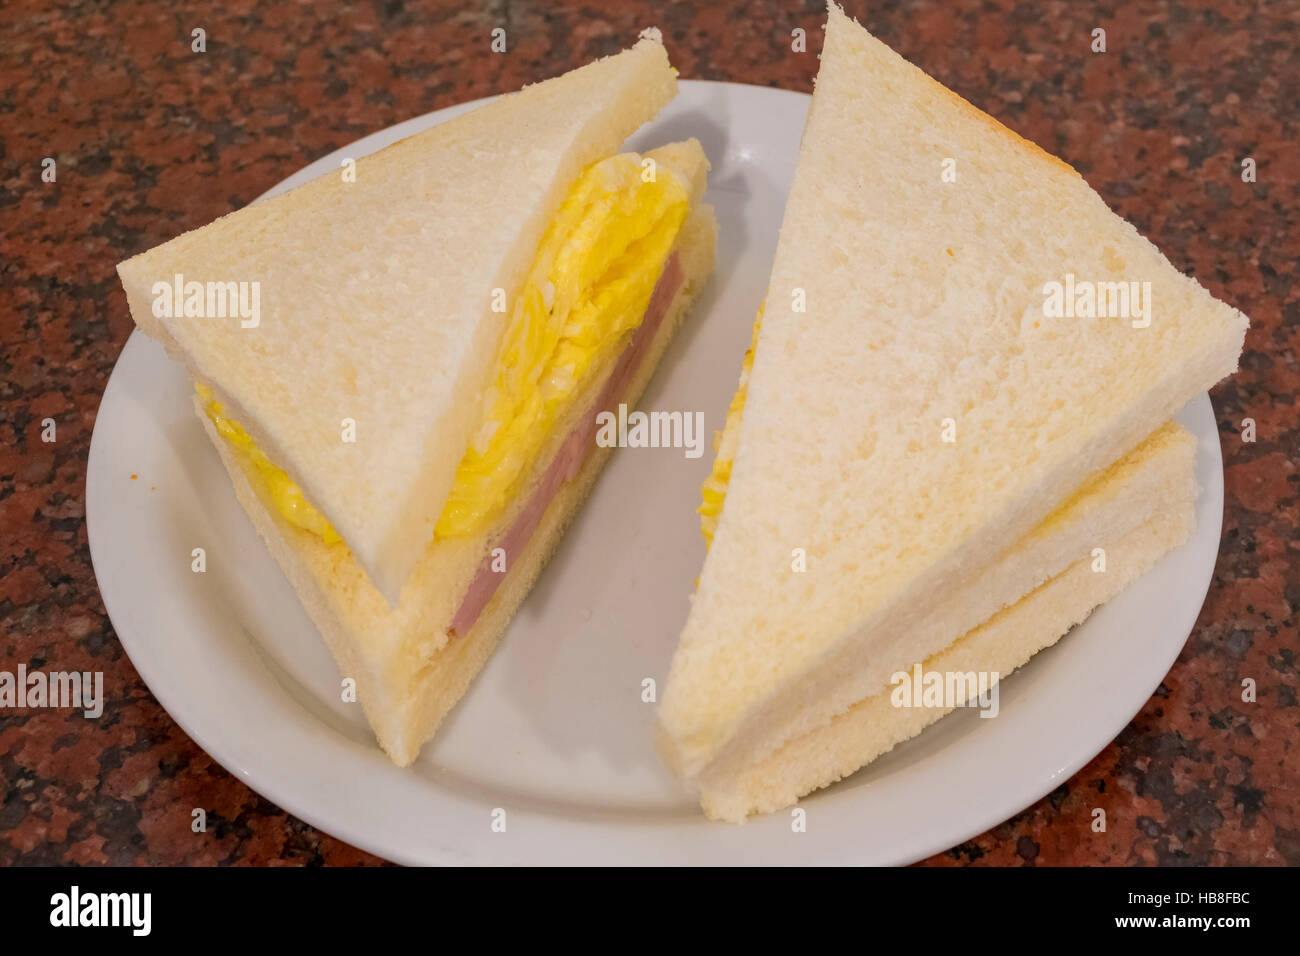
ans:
(918, 407)
(406, 398)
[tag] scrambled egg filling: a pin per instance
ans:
(714, 491)
(284, 494)
(589, 286)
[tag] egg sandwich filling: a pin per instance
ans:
(714, 490)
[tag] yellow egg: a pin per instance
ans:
(285, 496)
(714, 491)
(596, 267)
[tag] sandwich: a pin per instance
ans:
(405, 397)
(958, 394)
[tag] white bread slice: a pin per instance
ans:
(376, 297)
(409, 673)
(1155, 476)
(924, 303)
(1000, 645)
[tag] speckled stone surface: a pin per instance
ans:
(152, 139)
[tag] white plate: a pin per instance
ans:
(554, 730)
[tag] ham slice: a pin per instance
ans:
(567, 462)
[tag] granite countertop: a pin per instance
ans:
(152, 139)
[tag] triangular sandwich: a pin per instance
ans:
(405, 395)
(958, 335)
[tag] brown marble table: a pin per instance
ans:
(152, 139)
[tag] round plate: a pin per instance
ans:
(554, 730)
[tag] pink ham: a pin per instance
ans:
(568, 460)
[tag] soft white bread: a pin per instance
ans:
(1154, 477)
(409, 672)
(376, 297)
(924, 321)
(1000, 645)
